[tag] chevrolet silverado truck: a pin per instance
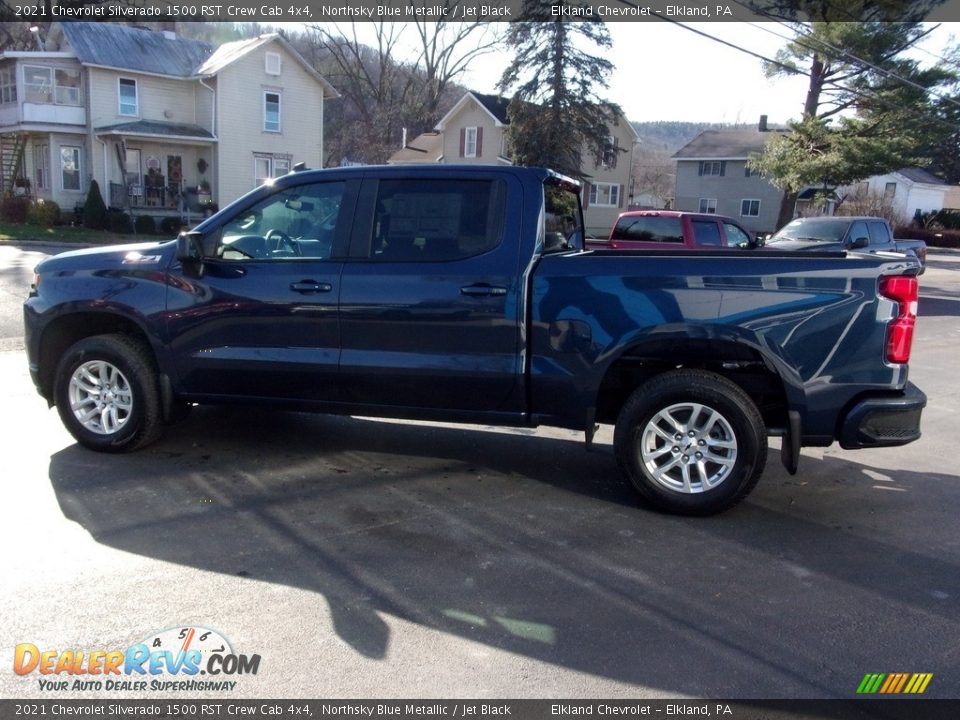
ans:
(854, 233)
(674, 230)
(432, 293)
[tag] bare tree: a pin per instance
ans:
(395, 76)
(654, 173)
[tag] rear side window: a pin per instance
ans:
(648, 229)
(706, 233)
(436, 220)
(879, 233)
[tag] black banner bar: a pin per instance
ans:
(231, 709)
(320, 11)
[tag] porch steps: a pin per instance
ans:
(12, 147)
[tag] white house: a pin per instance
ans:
(161, 122)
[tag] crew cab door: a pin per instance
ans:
(261, 318)
(430, 300)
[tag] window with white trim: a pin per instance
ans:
(271, 62)
(129, 103)
(70, 167)
(605, 194)
(271, 112)
(8, 85)
(267, 166)
(38, 84)
(708, 205)
(713, 167)
(66, 86)
(470, 142)
(41, 160)
(749, 208)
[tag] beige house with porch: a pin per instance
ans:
(167, 126)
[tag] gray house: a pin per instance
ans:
(712, 177)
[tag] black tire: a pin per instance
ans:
(120, 377)
(700, 474)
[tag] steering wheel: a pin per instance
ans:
(284, 241)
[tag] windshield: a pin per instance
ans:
(813, 229)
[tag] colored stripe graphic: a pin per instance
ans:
(894, 683)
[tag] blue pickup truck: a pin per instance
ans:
(466, 294)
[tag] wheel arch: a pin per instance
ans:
(69, 328)
(740, 355)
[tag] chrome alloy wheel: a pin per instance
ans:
(100, 397)
(688, 448)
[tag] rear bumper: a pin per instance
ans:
(884, 420)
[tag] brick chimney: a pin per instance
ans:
(762, 125)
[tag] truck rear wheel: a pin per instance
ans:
(691, 442)
(107, 395)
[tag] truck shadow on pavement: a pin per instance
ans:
(526, 543)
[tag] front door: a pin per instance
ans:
(262, 319)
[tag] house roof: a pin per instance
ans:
(726, 144)
(164, 53)
(228, 53)
(495, 107)
(155, 128)
(128, 48)
(425, 148)
(919, 175)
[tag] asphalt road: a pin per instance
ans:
(365, 558)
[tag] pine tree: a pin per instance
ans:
(556, 113)
(95, 210)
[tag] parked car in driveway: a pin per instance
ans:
(834, 233)
(674, 230)
(463, 293)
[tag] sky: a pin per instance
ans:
(664, 72)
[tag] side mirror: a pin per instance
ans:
(193, 248)
(859, 243)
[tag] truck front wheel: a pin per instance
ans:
(691, 442)
(106, 393)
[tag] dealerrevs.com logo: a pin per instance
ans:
(190, 659)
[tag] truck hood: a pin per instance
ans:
(153, 255)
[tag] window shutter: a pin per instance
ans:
(700, 169)
(723, 168)
(586, 195)
(479, 140)
(463, 140)
(620, 196)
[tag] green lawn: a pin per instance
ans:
(10, 232)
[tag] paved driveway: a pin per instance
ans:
(371, 558)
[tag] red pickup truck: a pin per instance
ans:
(674, 230)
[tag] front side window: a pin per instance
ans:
(271, 112)
(736, 237)
(750, 208)
(128, 97)
(436, 220)
(605, 194)
(293, 224)
(70, 167)
(708, 205)
(38, 84)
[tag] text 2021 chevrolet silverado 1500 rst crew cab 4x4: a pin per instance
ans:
(431, 293)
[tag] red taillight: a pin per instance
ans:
(903, 290)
